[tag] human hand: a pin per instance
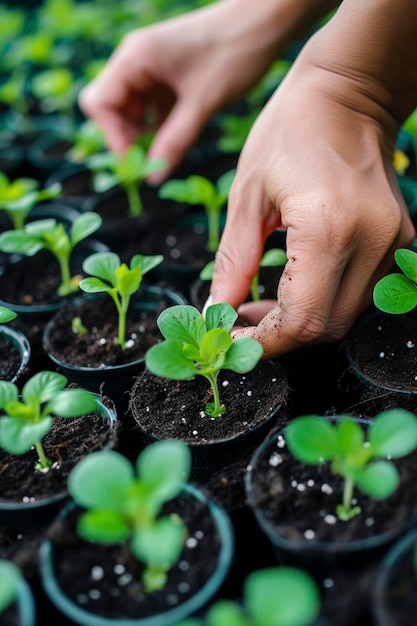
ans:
(317, 162)
(174, 75)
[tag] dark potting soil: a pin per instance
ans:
(10, 360)
(385, 349)
(118, 592)
(175, 409)
(98, 346)
(67, 442)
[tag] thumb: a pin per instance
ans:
(237, 261)
(176, 136)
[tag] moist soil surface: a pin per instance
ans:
(67, 442)
(383, 348)
(98, 347)
(176, 409)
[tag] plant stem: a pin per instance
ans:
(347, 494)
(135, 203)
(213, 230)
(66, 285)
(44, 462)
(217, 410)
(254, 288)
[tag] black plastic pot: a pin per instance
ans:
(32, 512)
(161, 615)
(248, 423)
(113, 380)
(304, 530)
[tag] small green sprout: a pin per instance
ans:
(128, 171)
(18, 197)
(397, 293)
(78, 327)
(56, 89)
(274, 596)
(48, 234)
(197, 346)
(201, 191)
(87, 140)
(110, 275)
(123, 504)
(10, 576)
(272, 258)
(6, 315)
(361, 460)
(28, 419)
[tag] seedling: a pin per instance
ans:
(275, 596)
(6, 315)
(29, 418)
(124, 504)
(272, 258)
(397, 293)
(10, 576)
(201, 191)
(353, 455)
(128, 171)
(18, 197)
(194, 345)
(48, 234)
(56, 89)
(110, 275)
(87, 140)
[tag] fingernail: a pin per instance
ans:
(208, 303)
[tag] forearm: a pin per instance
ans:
(374, 45)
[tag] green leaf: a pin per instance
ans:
(85, 225)
(350, 437)
(19, 241)
(378, 480)
(130, 282)
(226, 613)
(146, 263)
(94, 285)
(407, 261)
(73, 403)
(286, 596)
(164, 467)
(395, 293)
(393, 433)
(214, 344)
(225, 182)
(43, 386)
(182, 323)
(274, 257)
(161, 543)
(18, 436)
(207, 272)
(10, 576)
(311, 439)
(102, 265)
(101, 480)
(103, 526)
(221, 315)
(167, 359)
(9, 392)
(243, 355)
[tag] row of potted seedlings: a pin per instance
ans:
(196, 423)
(180, 463)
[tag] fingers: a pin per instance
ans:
(176, 135)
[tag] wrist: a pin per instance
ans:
(371, 47)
